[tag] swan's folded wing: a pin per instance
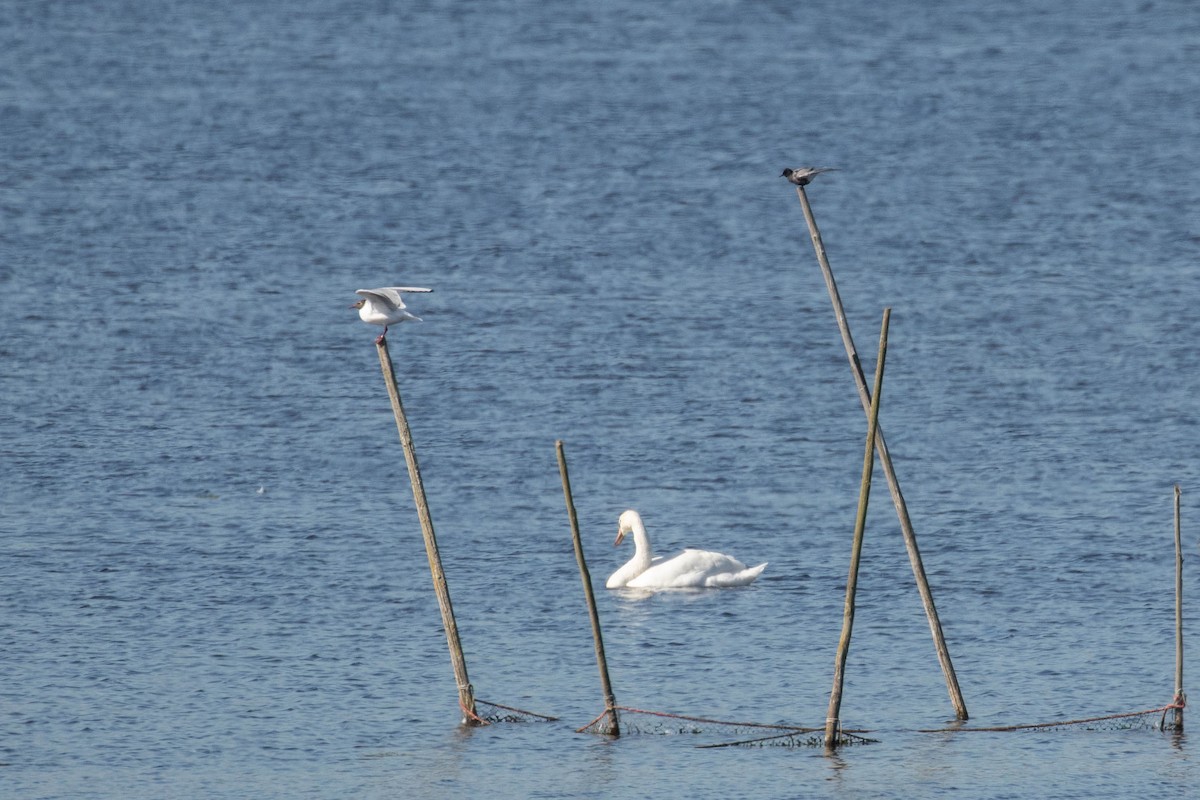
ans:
(694, 569)
(743, 578)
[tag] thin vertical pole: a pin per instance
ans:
(832, 719)
(1179, 700)
(466, 695)
(885, 460)
(610, 701)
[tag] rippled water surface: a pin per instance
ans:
(212, 580)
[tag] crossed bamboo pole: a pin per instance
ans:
(885, 460)
(832, 718)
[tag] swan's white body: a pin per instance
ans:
(691, 569)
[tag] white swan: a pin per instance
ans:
(690, 569)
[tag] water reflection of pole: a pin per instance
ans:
(885, 460)
(466, 696)
(1179, 696)
(610, 702)
(832, 719)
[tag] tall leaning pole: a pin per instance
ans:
(466, 694)
(885, 459)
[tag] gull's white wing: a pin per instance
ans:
(390, 295)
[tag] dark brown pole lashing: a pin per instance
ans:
(466, 696)
(1179, 695)
(832, 719)
(610, 703)
(885, 460)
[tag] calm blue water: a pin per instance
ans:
(192, 191)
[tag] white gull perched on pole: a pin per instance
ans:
(802, 176)
(385, 307)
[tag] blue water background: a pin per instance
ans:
(191, 192)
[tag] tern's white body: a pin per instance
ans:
(802, 176)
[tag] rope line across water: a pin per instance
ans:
(1062, 723)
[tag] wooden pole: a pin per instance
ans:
(832, 720)
(885, 460)
(610, 701)
(1179, 696)
(466, 695)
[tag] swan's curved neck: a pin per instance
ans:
(642, 556)
(641, 542)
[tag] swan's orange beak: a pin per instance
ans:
(620, 537)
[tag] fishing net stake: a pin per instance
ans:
(613, 724)
(466, 696)
(1129, 719)
(860, 523)
(609, 721)
(1180, 699)
(885, 460)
